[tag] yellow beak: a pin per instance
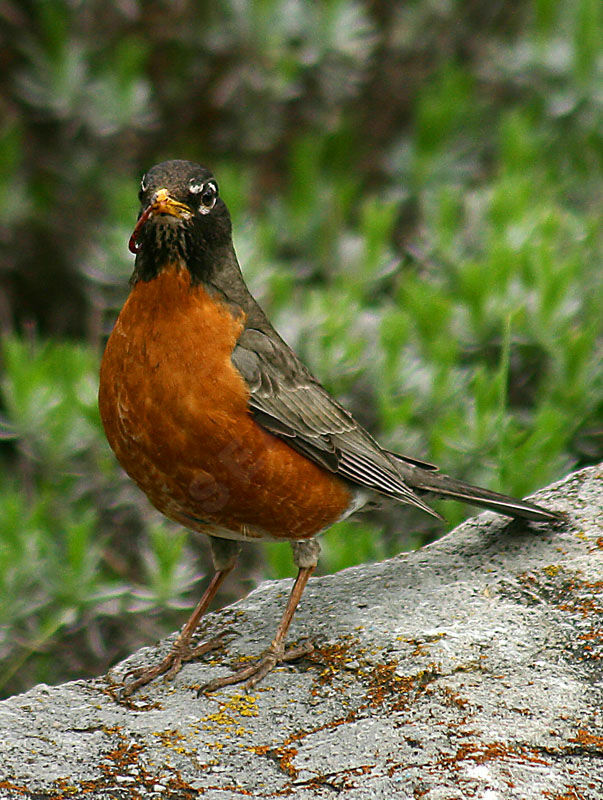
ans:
(163, 203)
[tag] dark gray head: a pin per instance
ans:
(182, 219)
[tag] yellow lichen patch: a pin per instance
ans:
(246, 659)
(229, 713)
(170, 738)
(65, 787)
(244, 704)
(216, 746)
(552, 570)
(422, 646)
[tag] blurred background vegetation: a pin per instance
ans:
(416, 196)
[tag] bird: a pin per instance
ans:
(220, 423)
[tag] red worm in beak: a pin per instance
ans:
(134, 245)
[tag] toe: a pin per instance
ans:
(254, 673)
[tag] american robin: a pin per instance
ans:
(221, 425)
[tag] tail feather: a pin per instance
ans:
(433, 482)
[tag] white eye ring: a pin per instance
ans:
(143, 183)
(209, 194)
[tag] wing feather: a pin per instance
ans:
(288, 401)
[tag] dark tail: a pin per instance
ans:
(423, 477)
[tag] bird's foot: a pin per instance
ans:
(254, 673)
(180, 654)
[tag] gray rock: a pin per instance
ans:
(471, 668)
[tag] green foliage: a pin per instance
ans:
(415, 192)
(57, 547)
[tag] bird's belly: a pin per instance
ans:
(175, 412)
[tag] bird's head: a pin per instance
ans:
(182, 220)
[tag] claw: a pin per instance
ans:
(170, 666)
(254, 673)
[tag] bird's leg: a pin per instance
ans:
(224, 555)
(305, 556)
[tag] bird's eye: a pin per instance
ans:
(208, 194)
(144, 185)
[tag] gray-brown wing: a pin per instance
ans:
(288, 401)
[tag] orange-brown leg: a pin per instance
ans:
(224, 553)
(305, 556)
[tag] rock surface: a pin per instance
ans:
(471, 668)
